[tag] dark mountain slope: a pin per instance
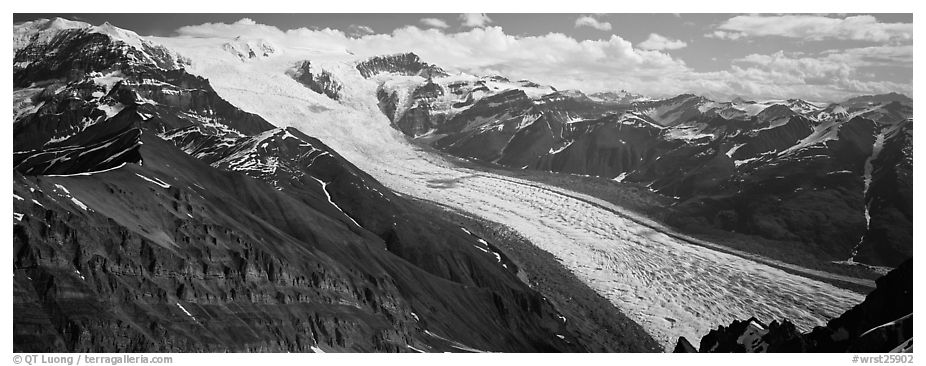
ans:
(890, 200)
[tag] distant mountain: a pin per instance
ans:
(872, 100)
(619, 97)
(786, 169)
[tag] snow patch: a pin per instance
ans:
(187, 312)
(111, 110)
(869, 168)
(454, 344)
(325, 189)
(73, 199)
(155, 181)
(87, 173)
(733, 149)
(414, 349)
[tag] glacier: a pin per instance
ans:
(670, 286)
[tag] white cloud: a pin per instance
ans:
(719, 34)
(587, 21)
(246, 28)
(605, 64)
(359, 30)
(896, 56)
(829, 75)
(814, 27)
(434, 22)
(475, 20)
(658, 42)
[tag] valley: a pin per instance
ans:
(654, 209)
(281, 197)
(670, 287)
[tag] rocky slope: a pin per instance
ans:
(402, 64)
(785, 170)
(152, 215)
(321, 81)
(880, 324)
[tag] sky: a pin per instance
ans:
(819, 57)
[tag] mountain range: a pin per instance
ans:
(836, 177)
(174, 197)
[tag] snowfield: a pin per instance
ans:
(671, 287)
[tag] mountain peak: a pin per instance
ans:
(407, 63)
(878, 99)
(245, 48)
(62, 23)
(43, 30)
(738, 100)
(619, 97)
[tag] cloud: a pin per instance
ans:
(475, 20)
(611, 63)
(657, 42)
(356, 30)
(245, 27)
(587, 21)
(434, 23)
(814, 27)
(889, 56)
(828, 75)
(886, 56)
(719, 34)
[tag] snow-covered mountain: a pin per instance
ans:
(619, 97)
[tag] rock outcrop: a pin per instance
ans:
(321, 81)
(402, 64)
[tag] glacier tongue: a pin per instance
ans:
(669, 286)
